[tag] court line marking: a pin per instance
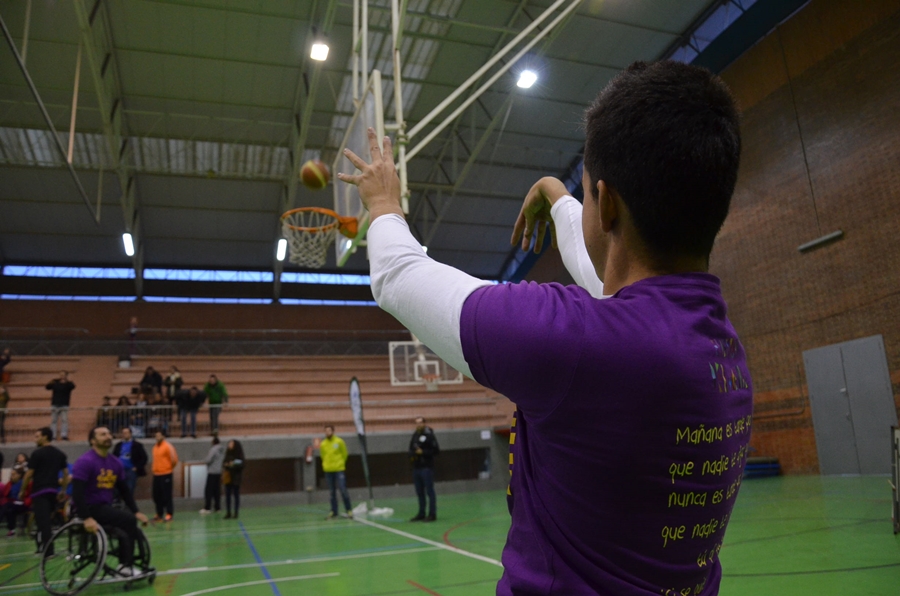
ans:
(292, 561)
(452, 549)
(423, 588)
(262, 566)
(260, 582)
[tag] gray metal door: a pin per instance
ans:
(852, 406)
(835, 438)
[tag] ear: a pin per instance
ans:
(608, 206)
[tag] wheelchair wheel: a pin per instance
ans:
(77, 557)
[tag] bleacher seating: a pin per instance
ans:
(268, 394)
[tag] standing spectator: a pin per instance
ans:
(17, 501)
(133, 457)
(189, 402)
(333, 452)
(4, 402)
(61, 388)
(165, 458)
(173, 385)
(213, 491)
(233, 470)
(151, 382)
(218, 395)
(132, 336)
(4, 360)
(46, 463)
(423, 446)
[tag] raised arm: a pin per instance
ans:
(424, 295)
(549, 205)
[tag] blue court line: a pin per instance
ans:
(259, 560)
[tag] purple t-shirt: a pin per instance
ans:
(99, 475)
(630, 435)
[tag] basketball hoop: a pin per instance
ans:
(431, 382)
(311, 230)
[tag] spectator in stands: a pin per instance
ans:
(4, 402)
(133, 457)
(333, 452)
(212, 494)
(189, 402)
(423, 446)
(121, 414)
(165, 458)
(173, 385)
(46, 464)
(61, 388)
(132, 336)
(232, 474)
(151, 382)
(4, 360)
(218, 396)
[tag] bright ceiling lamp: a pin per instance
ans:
(527, 78)
(319, 51)
(128, 241)
(282, 249)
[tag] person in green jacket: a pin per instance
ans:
(333, 452)
(217, 395)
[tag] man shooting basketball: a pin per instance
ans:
(633, 395)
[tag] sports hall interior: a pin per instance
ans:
(212, 123)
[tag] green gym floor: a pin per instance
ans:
(790, 536)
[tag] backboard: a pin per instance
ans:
(369, 113)
(412, 362)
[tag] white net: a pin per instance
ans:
(309, 234)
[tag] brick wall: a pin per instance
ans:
(839, 64)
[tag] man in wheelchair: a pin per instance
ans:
(96, 476)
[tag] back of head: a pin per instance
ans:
(666, 137)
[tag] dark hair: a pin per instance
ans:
(216, 440)
(331, 426)
(237, 452)
(47, 432)
(666, 137)
(94, 432)
(163, 432)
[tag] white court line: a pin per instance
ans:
(262, 581)
(293, 561)
(452, 549)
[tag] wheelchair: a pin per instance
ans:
(80, 559)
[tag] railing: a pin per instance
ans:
(207, 342)
(19, 424)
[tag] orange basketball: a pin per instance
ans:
(314, 174)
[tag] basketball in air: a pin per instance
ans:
(314, 174)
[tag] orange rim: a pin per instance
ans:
(348, 225)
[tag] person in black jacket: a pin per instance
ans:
(189, 402)
(423, 446)
(151, 382)
(59, 404)
(133, 457)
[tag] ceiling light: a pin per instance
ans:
(424, 248)
(527, 78)
(128, 241)
(319, 51)
(282, 249)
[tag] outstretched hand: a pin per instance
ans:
(379, 186)
(535, 214)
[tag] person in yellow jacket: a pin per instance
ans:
(165, 458)
(333, 452)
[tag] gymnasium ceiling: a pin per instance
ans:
(206, 97)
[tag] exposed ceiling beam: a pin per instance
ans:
(94, 24)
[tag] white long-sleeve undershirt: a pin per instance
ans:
(566, 214)
(428, 297)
